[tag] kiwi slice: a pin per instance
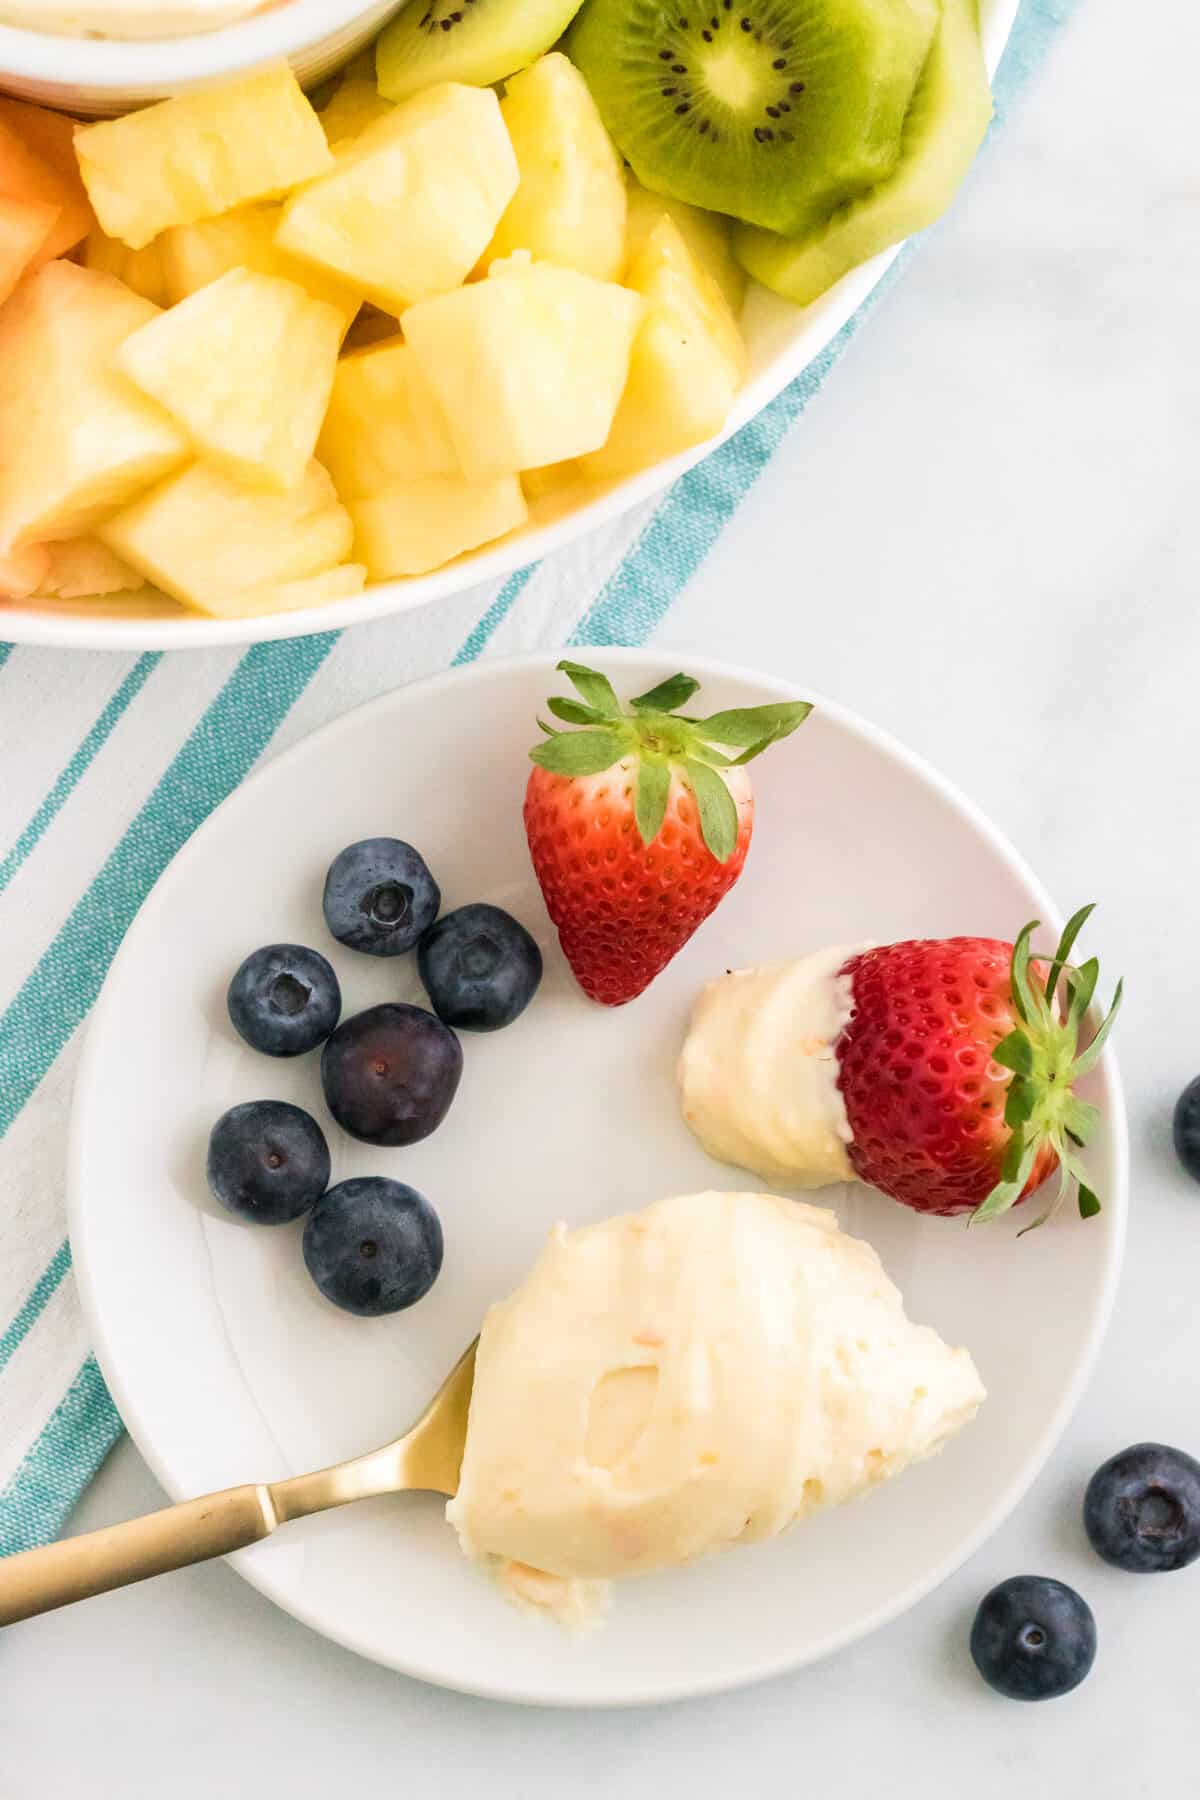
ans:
(944, 128)
(771, 110)
(477, 41)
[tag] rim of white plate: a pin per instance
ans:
(816, 327)
(1116, 1198)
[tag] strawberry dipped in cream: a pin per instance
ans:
(940, 1071)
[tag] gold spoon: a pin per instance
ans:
(428, 1457)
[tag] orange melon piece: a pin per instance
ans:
(22, 571)
(24, 227)
(37, 162)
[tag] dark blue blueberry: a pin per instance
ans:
(285, 999)
(267, 1161)
(480, 967)
(1187, 1128)
(373, 1246)
(1033, 1638)
(1142, 1509)
(390, 1073)
(380, 897)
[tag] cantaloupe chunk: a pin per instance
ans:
(687, 364)
(419, 525)
(28, 172)
(569, 207)
(83, 569)
(383, 425)
(411, 204)
(24, 228)
(200, 154)
(527, 366)
(206, 540)
(21, 571)
(246, 366)
(77, 438)
(194, 255)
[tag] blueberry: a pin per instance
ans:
(267, 1161)
(1142, 1509)
(380, 897)
(1187, 1128)
(284, 999)
(1033, 1638)
(373, 1246)
(480, 967)
(390, 1073)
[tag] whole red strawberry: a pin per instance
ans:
(639, 823)
(957, 1068)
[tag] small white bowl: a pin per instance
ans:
(93, 77)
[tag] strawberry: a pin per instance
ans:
(639, 824)
(957, 1067)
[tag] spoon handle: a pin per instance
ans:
(36, 1581)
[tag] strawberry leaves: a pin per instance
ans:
(663, 742)
(1041, 1108)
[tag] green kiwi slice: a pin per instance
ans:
(774, 111)
(944, 128)
(476, 41)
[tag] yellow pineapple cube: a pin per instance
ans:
(687, 365)
(77, 438)
(383, 425)
(194, 255)
(709, 237)
(84, 568)
(200, 154)
(411, 203)
(356, 104)
(246, 366)
(142, 270)
(528, 366)
(290, 596)
(419, 525)
(205, 540)
(570, 205)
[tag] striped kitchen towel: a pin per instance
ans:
(110, 763)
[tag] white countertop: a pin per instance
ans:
(982, 535)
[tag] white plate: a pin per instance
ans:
(781, 340)
(228, 1366)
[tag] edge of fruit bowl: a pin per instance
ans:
(260, 1572)
(73, 627)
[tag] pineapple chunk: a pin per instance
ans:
(22, 571)
(200, 154)
(37, 162)
(707, 235)
(290, 596)
(142, 270)
(246, 367)
(528, 366)
(688, 361)
(383, 425)
(570, 205)
(24, 227)
(194, 255)
(370, 327)
(84, 568)
(77, 439)
(419, 525)
(205, 540)
(412, 203)
(356, 104)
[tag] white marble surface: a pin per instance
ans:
(983, 537)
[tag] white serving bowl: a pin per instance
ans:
(782, 340)
(94, 77)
